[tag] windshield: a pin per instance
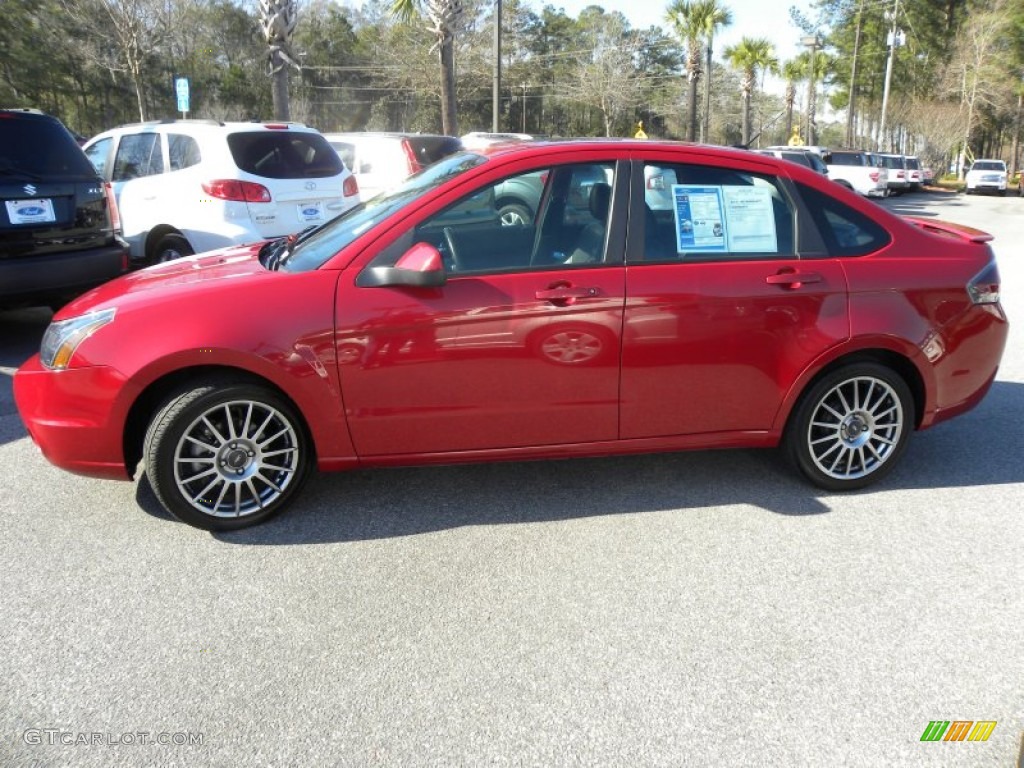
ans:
(321, 245)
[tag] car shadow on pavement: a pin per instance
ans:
(920, 203)
(980, 448)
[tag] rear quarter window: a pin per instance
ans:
(847, 232)
(284, 154)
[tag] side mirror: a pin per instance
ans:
(419, 267)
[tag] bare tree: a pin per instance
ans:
(976, 72)
(605, 75)
(139, 28)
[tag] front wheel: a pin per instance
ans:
(224, 455)
(851, 427)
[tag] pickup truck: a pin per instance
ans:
(857, 170)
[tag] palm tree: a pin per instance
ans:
(444, 17)
(750, 55)
(695, 21)
(277, 20)
(793, 71)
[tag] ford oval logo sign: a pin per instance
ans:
(30, 210)
(311, 211)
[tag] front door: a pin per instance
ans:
(519, 348)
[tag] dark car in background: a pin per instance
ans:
(59, 228)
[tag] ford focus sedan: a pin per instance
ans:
(761, 306)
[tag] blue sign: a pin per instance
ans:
(181, 89)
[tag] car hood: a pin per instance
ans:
(172, 278)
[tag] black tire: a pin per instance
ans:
(246, 454)
(514, 215)
(171, 247)
(850, 427)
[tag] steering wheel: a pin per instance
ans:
(449, 239)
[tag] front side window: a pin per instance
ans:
(696, 212)
(138, 154)
(562, 222)
(98, 155)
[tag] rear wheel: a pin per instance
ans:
(171, 247)
(851, 426)
(224, 455)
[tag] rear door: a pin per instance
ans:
(723, 311)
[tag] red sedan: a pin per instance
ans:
(745, 301)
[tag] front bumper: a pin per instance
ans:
(72, 416)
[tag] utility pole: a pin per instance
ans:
(496, 87)
(813, 42)
(896, 39)
(850, 111)
(524, 107)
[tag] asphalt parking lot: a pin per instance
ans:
(687, 609)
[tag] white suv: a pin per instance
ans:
(187, 186)
(987, 176)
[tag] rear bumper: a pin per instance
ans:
(61, 273)
(70, 415)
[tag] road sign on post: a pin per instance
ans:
(181, 89)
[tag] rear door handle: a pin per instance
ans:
(793, 279)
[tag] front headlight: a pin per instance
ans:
(62, 338)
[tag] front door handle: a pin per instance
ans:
(793, 279)
(566, 294)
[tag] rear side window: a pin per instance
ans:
(711, 213)
(183, 151)
(847, 232)
(284, 154)
(138, 155)
(37, 149)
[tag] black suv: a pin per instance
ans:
(59, 231)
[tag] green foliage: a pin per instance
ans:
(362, 68)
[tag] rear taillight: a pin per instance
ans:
(115, 214)
(350, 187)
(410, 157)
(240, 191)
(984, 286)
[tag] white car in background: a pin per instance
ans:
(188, 186)
(987, 176)
(381, 161)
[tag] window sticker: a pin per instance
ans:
(700, 221)
(726, 218)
